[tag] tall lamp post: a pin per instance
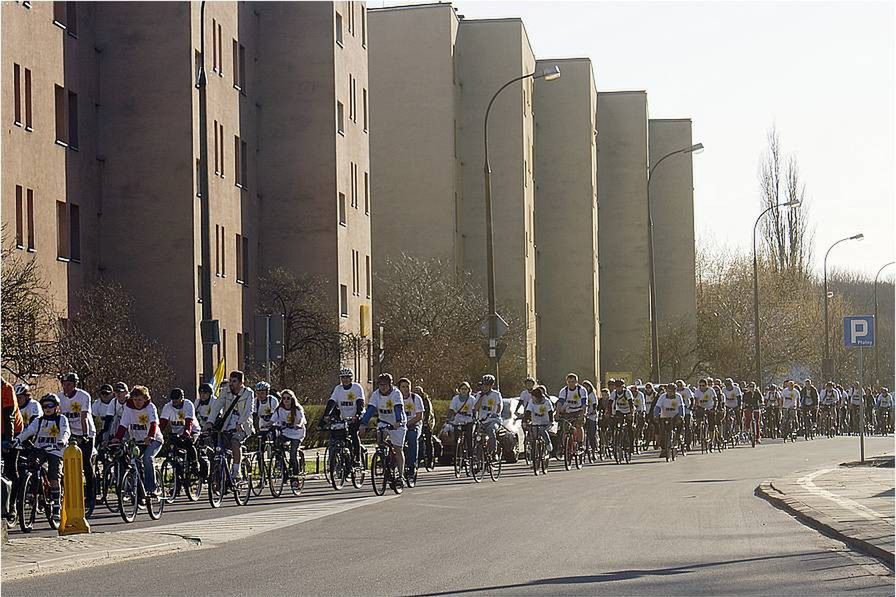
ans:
(756, 348)
(876, 340)
(551, 73)
(827, 336)
(654, 333)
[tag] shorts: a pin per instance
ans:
(237, 435)
(396, 436)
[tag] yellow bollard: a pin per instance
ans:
(72, 519)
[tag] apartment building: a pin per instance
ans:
(622, 220)
(672, 195)
(566, 225)
(128, 73)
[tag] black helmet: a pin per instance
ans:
(206, 388)
(53, 398)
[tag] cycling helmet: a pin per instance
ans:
(71, 376)
(262, 385)
(488, 379)
(384, 377)
(206, 388)
(105, 389)
(120, 386)
(346, 372)
(22, 388)
(52, 398)
(176, 394)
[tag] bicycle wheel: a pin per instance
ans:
(358, 475)
(169, 479)
(155, 506)
(535, 453)
(378, 473)
(216, 482)
(337, 470)
(494, 468)
(242, 490)
(259, 471)
(26, 503)
(53, 521)
(191, 482)
(127, 495)
(580, 456)
(544, 458)
(459, 454)
(477, 463)
(297, 481)
(277, 475)
(627, 445)
(568, 451)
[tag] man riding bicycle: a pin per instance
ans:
(538, 418)
(753, 410)
(669, 410)
(344, 410)
(236, 402)
(388, 406)
(51, 434)
(178, 422)
(460, 414)
(489, 406)
(571, 402)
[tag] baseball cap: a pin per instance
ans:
(120, 386)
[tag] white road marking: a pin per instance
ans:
(853, 506)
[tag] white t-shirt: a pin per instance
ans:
(828, 397)
(490, 405)
(292, 427)
(265, 409)
(385, 407)
(773, 398)
(525, 398)
(593, 406)
(72, 409)
(639, 401)
(669, 405)
(177, 417)
(791, 398)
(705, 399)
(346, 400)
(463, 408)
(202, 410)
(50, 434)
(573, 400)
(855, 398)
(622, 403)
(731, 396)
(885, 400)
(30, 411)
(541, 413)
(413, 405)
(687, 396)
(138, 421)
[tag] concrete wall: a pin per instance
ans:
(413, 135)
(490, 53)
(672, 195)
(622, 216)
(566, 226)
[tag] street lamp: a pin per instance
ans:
(654, 334)
(876, 340)
(756, 348)
(826, 365)
(550, 73)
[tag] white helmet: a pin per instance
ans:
(262, 385)
(346, 372)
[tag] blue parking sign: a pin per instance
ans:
(858, 331)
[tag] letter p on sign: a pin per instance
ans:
(858, 331)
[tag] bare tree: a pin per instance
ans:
(29, 321)
(786, 235)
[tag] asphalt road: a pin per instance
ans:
(691, 527)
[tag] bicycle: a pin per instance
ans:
(132, 494)
(490, 459)
(280, 469)
(622, 440)
(220, 477)
(670, 439)
(34, 496)
(106, 473)
(465, 460)
(753, 431)
(826, 422)
(261, 461)
(592, 447)
(788, 429)
(178, 474)
(341, 461)
(426, 449)
(539, 449)
(573, 451)
(384, 470)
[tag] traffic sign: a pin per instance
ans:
(494, 349)
(858, 331)
(500, 326)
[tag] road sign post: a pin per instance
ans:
(858, 332)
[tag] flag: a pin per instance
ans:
(215, 381)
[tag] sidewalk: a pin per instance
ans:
(26, 556)
(852, 503)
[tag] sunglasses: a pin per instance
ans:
(47, 405)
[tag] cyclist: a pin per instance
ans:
(75, 404)
(687, 401)
(203, 404)
(809, 403)
(489, 405)
(429, 423)
(236, 402)
(347, 404)
(884, 405)
(854, 404)
(103, 409)
(827, 403)
(733, 397)
(525, 395)
(622, 405)
(122, 394)
(28, 406)
(413, 409)
(10, 425)
(388, 406)
(178, 420)
(651, 396)
(592, 414)
(752, 401)
(265, 405)
(668, 410)
(572, 400)
(460, 413)
(790, 399)
(140, 420)
(539, 417)
(51, 434)
(289, 418)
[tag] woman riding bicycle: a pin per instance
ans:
(289, 418)
(140, 420)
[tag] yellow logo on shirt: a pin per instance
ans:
(143, 418)
(53, 431)
(463, 408)
(491, 402)
(351, 396)
(541, 410)
(409, 406)
(180, 416)
(75, 406)
(26, 417)
(389, 404)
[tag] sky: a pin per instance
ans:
(821, 72)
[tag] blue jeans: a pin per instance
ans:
(410, 446)
(149, 471)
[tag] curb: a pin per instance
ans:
(780, 500)
(97, 557)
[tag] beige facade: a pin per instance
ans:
(135, 174)
(622, 215)
(672, 198)
(566, 223)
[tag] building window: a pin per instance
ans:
(342, 221)
(351, 17)
(61, 136)
(367, 273)
(364, 107)
(245, 260)
(244, 164)
(224, 343)
(237, 171)
(28, 112)
(74, 219)
(354, 89)
(72, 118)
(220, 49)
(354, 185)
(217, 250)
(367, 193)
(198, 283)
(63, 244)
(354, 273)
(17, 90)
(239, 66)
(239, 259)
(339, 29)
(239, 350)
(223, 254)
(343, 300)
(217, 168)
(221, 136)
(20, 219)
(363, 26)
(214, 46)
(59, 14)
(340, 118)
(198, 178)
(29, 204)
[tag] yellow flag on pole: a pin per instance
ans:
(215, 382)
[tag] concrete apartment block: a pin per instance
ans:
(50, 169)
(566, 226)
(414, 106)
(672, 194)
(622, 216)
(491, 52)
(314, 157)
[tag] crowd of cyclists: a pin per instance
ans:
(240, 441)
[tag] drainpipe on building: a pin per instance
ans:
(205, 218)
